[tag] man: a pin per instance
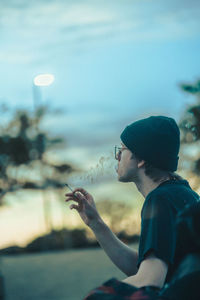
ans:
(148, 157)
(183, 285)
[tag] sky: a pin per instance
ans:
(113, 61)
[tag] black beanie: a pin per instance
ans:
(156, 140)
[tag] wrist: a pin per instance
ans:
(97, 224)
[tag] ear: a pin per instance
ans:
(141, 163)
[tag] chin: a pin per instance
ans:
(128, 177)
(124, 179)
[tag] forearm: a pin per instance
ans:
(139, 281)
(133, 280)
(121, 255)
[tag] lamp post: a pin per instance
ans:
(39, 81)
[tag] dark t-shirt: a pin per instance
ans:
(158, 216)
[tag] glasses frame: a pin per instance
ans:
(118, 151)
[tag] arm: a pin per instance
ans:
(121, 255)
(152, 271)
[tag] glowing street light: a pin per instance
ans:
(43, 80)
(38, 82)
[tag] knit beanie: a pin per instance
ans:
(156, 140)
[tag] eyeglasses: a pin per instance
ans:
(118, 152)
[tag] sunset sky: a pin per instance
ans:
(113, 62)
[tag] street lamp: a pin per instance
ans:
(38, 81)
(43, 79)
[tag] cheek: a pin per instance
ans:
(122, 160)
(129, 165)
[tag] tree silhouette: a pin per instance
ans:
(190, 129)
(23, 160)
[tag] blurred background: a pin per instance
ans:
(73, 75)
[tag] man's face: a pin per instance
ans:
(127, 166)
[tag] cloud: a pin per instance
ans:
(41, 29)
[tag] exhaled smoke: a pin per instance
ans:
(104, 170)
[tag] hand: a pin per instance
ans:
(85, 205)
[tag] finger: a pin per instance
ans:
(69, 194)
(79, 195)
(75, 194)
(84, 192)
(74, 206)
(72, 199)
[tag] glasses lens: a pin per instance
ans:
(117, 152)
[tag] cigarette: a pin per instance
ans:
(69, 186)
(71, 189)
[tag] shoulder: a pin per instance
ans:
(156, 202)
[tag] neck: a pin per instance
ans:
(145, 185)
